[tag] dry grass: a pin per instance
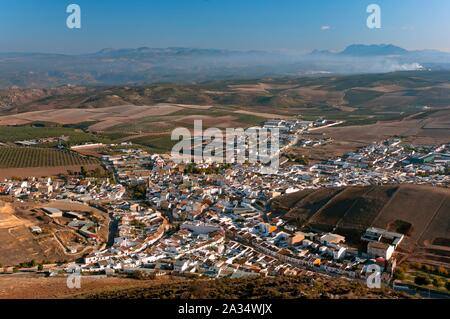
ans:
(25, 286)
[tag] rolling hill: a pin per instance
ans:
(419, 212)
(421, 98)
(357, 94)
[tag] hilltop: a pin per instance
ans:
(372, 50)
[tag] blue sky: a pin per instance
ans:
(292, 25)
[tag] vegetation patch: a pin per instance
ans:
(21, 157)
(303, 287)
(33, 132)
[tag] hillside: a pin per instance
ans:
(252, 288)
(419, 212)
(371, 50)
(415, 105)
(383, 96)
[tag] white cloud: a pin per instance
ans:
(325, 27)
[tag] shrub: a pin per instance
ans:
(442, 271)
(421, 281)
(399, 274)
(436, 282)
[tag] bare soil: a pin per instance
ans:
(42, 171)
(28, 286)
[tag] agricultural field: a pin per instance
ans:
(39, 131)
(354, 93)
(157, 143)
(18, 157)
(414, 105)
(331, 214)
(418, 212)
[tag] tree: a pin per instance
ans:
(426, 268)
(399, 274)
(83, 171)
(436, 282)
(442, 271)
(139, 192)
(422, 281)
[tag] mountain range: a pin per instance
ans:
(190, 65)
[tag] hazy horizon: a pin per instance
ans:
(263, 25)
(275, 51)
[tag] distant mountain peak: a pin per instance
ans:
(373, 50)
(106, 50)
(321, 52)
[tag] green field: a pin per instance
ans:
(156, 144)
(357, 97)
(29, 132)
(158, 124)
(21, 157)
